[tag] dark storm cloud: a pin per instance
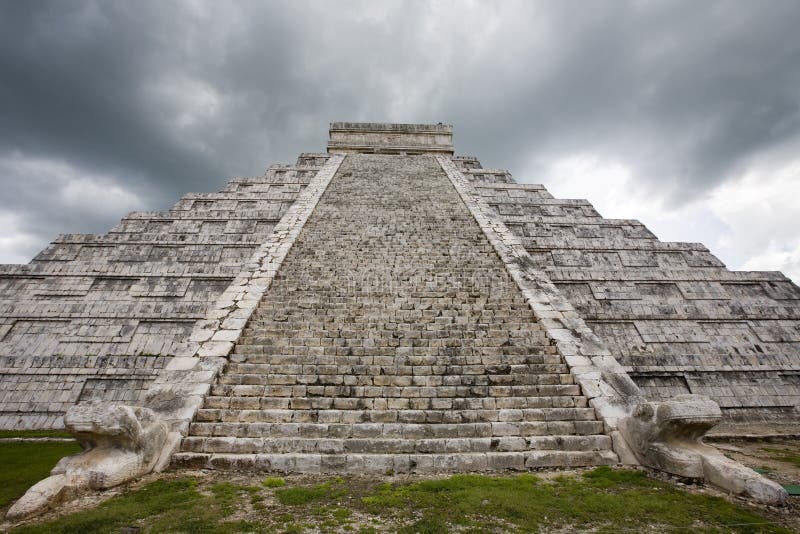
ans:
(684, 91)
(159, 98)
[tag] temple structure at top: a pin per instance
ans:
(383, 138)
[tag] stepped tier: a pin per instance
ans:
(96, 317)
(392, 301)
(671, 313)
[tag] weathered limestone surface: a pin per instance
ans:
(672, 315)
(180, 387)
(393, 338)
(123, 442)
(665, 436)
(120, 443)
(404, 312)
(96, 317)
(375, 137)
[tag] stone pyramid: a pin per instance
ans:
(388, 306)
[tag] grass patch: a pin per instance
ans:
(35, 434)
(161, 506)
(605, 499)
(601, 500)
(783, 455)
(25, 464)
(227, 496)
(301, 495)
(274, 482)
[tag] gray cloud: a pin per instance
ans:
(156, 99)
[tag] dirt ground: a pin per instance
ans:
(777, 458)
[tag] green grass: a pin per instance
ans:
(606, 500)
(180, 506)
(300, 495)
(274, 482)
(227, 496)
(35, 434)
(162, 506)
(783, 455)
(24, 464)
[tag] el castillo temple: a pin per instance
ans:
(388, 305)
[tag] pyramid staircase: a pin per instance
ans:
(393, 339)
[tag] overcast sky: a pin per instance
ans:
(685, 115)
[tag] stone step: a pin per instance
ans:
(280, 345)
(410, 367)
(397, 430)
(341, 322)
(383, 355)
(394, 416)
(276, 445)
(425, 326)
(290, 319)
(340, 318)
(314, 292)
(382, 403)
(376, 385)
(282, 318)
(305, 291)
(343, 325)
(546, 358)
(393, 339)
(259, 389)
(395, 463)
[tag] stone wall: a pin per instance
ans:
(371, 137)
(671, 313)
(95, 317)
